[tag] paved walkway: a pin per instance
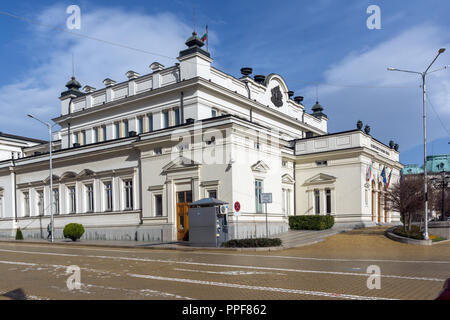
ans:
(291, 239)
(299, 238)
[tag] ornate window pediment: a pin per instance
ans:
(320, 178)
(181, 163)
(260, 166)
(85, 174)
(68, 175)
(288, 179)
(55, 178)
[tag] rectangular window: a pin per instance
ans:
(56, 201)
(140, 125)
(166, 119)
(258, 192)
(76, 138)
(150, 123)
(157, 151)
(72, 200)
(83, 137)
(1, 206)
(40, 202)
(126, 128)
(104, 138)
(317, 201)
(26, 204)
(212, 194)
(158, 205)
(95, 137)
(108, 196)
(177, 116)
(89, 198)
(213, 113)
(117, 130)
(128, 194)
(328, 194)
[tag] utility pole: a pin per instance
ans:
(424, 91)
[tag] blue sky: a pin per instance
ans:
(321, 43)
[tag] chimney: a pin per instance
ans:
(290, 94)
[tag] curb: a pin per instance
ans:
(389, 233)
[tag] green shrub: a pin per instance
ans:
(73, 231)
(415, 232)
(19, 235)
(311, 222)
(252, 243)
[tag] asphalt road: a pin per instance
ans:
(333, 269)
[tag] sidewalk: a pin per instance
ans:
(291, 239)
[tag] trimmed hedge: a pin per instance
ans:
(415, 232)
(252, 243)
(73, 231)
(311, 222)
(19, 235)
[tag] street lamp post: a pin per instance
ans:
(50, 127)
(423, 76)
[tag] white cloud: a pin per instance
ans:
(393, 113)
(38, 90)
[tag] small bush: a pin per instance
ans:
(311, 222)
(252, 243)
(415, 232)
(73, 231)
(19, 235)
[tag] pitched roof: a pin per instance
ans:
(12, 136)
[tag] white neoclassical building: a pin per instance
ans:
(131, 157)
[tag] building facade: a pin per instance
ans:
(132, 156)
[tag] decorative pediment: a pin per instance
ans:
(180, 163)
(55, 178)
(85, 174)
(287, 178)
(320, 178)
(260, 166)
(68, 175)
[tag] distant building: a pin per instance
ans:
(435, 164)
(131, 157)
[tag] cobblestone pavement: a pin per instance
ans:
(333, 269)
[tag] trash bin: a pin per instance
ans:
(208, 224)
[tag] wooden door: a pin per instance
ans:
(184, 199)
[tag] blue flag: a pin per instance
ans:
(383, 175)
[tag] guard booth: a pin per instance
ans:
(208, 225)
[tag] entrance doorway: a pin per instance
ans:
(184, 199)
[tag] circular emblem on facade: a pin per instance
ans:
(277, 97)
(237, 206)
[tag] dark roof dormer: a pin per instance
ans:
(73, 88)
(317, 110)
(194, 44)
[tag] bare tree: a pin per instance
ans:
(407, 198)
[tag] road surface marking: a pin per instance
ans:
(240, 286)
(228, 265)
(157, 251)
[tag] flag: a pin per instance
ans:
(389, 179)
(205, 38)
(383, 175)
(369, 172)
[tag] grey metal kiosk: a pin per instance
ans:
(208, 225)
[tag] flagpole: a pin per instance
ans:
(207, 39)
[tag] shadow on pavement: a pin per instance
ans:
(17, 294)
